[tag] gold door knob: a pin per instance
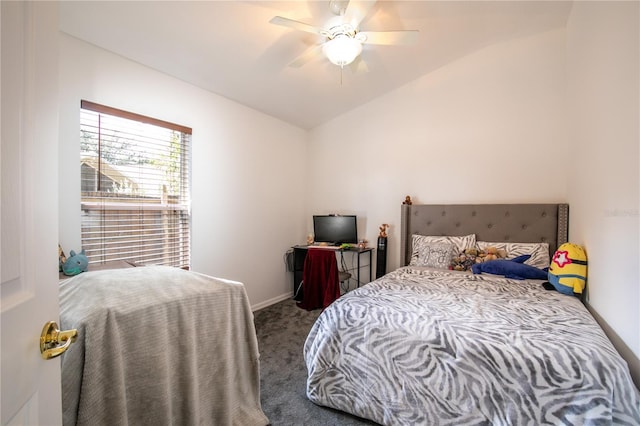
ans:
(51, 339)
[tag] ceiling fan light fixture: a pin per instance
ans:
(342, 49)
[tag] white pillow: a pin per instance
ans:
(433, 255)
(539, 251)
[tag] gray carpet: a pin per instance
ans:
(282, 330)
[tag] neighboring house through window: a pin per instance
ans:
(135, 191)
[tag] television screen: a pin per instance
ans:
(334, 229)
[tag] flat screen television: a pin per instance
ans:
(335, 229)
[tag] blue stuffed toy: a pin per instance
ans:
(513, 268)
(75, 263)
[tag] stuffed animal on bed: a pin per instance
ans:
(61, 258)
(492, 253)
(469, 257)
(464, 260)
(513, 268)
(568, 270)
(75, 264)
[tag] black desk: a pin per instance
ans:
(300, 253)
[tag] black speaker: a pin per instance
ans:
(381, 257)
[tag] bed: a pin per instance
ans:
(431, 346)
(158, 346)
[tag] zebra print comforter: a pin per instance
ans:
(425, 347)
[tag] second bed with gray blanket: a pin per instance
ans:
(159, 346)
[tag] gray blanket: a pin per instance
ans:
(159, 346)
(421, 347)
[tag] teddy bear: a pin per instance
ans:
(490, 253)
(464, 260)
(471, 256)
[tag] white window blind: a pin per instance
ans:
(135, 191)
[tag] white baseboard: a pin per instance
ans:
(271, 301)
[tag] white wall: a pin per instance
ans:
(248, 197)
(603, 99)
(486, 128)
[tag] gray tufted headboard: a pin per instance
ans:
(523, 223)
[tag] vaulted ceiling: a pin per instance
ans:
(231, 49)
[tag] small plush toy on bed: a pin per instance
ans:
(75, 264)
(568, 270)
(512, 268)
(469, 257)
(465, 260)
(61, 258)
(492, 253)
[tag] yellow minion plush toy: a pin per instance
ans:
(568, 270)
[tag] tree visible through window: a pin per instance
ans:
(135, 192)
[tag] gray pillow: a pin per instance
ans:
(433, 255)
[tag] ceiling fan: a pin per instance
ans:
(343, 38)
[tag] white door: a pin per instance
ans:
(29, 211)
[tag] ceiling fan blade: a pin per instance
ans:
(390, 37)
(357, 10)
(359, 66)
(306, 56)
(296, 25)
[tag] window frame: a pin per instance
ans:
(179, 211)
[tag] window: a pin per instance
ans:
(135, 192)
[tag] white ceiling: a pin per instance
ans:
(230, 48)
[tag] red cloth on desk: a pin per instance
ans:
(320, 283)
